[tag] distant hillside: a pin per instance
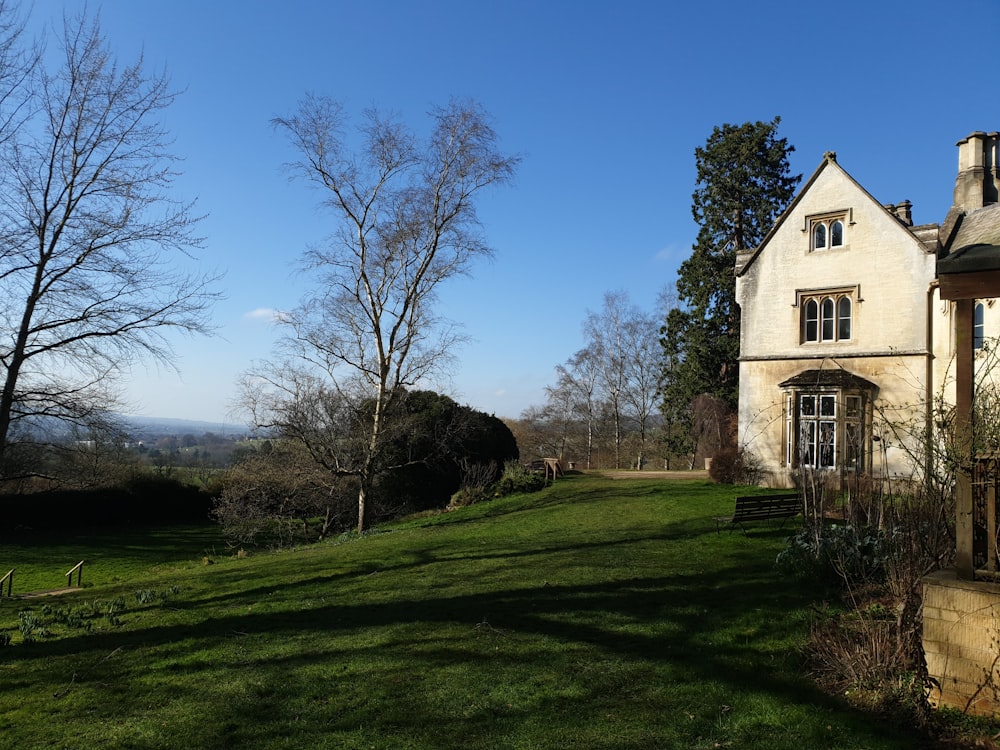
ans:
(144, 427)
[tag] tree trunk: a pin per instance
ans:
(16, 361)
(590, 443)
(368, 466)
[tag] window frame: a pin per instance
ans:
(828, 231)
(827, 316)
(828, 429)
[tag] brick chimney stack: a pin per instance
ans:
(978, 181)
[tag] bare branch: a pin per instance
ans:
(405, 223)
(89, 274)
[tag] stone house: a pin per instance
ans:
(845, 343)
(851, 320)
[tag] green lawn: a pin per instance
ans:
(596, 614)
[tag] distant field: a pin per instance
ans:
(596, 614)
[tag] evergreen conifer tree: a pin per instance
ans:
(743, 185)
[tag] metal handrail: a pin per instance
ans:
(9, 580)
(78, 569)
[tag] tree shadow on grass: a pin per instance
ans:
(726, 629)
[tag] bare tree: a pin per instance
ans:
(86, 285)
(406, 222)
(622, 341)
(577, 383)
(642, 374)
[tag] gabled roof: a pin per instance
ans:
(829, 162)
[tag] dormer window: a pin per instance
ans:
(827, 232)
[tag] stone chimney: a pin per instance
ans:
(978, 181)
(902, 211)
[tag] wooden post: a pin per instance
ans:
(964, 392)
(9, 580)
(78, 569)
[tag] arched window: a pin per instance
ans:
(978, 327)
(837, 234)
(826, 232)
(811, 317)
(819, 236)
(827, 316)
(844, 319)
(826, 319)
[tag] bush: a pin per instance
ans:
(281, 498)
(469, 495)
(437, 448)
(517, 479)
(859, 654)
(835, 553)
(735, 466)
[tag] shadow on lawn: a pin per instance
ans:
(725, 631)
(727, 626)
(526, 626)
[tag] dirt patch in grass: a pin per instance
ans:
(670, 475)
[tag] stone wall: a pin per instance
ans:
(961, 637)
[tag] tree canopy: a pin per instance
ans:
(743, 185)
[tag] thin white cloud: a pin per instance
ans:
(669, 253)
(268, 314)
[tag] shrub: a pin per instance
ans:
(469, 495)
(860, 655)
(140, 500)
(517, 479)
(735, 466)
(835, 553)
(437, 448)
(282, 497)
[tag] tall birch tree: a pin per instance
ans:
(404, 216)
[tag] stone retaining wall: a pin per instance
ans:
(961, 637)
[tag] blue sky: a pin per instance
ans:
(605, 102)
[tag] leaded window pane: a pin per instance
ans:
(807, 443)
(828, 406)
(837, 234)
(789, 436)
(826, 315)
(852, 447)
(852, 407)
(819, 236)
(979, 327)
(844, 318)
(827, 441)
(807, 406)
(812, 320)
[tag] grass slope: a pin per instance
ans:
(597, 614)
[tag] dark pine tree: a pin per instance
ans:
(743, 185)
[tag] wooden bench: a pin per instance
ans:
(762, 508)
